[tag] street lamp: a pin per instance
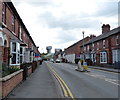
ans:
(83, 46)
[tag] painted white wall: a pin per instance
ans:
(70, 58)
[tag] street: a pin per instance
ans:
(60, 80)
(93, 84)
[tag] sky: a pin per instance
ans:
(60, 23)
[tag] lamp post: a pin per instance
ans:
(83, 46)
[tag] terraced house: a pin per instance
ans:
(105, 48)
(16, 44)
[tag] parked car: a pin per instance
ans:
(58, 61)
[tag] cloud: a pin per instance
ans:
(60, 23)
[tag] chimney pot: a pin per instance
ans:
(105, 28)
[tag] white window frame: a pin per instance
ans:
(13, 24)
(3, 13)
(103, 57)
(117, 40)
(88, 47)
(93, 45)
(20, 32)
(22, 54)
(97, 45)
(104, 44)
(17, 52)
(116, 55)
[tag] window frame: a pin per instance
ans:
(13, 23)
(20, 32)
(104, 45)
(16, 52)
(3, 13)
(98, 45)
(117, 40)
(103, 57)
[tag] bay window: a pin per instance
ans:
(15, 53)
(21, 55)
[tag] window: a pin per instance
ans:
(21, 54)
(97, 45)
(103, 57)
(103, 43)
(116, 55)
(117, 40)
(93, 57)
(15, 53)
(20, 32)
(88, 47)
(13, 23)
(93, 46)
(3, 12)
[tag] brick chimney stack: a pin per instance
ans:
(105, 28)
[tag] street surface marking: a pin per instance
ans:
(103, 70)
(116, 82)
(62, 83)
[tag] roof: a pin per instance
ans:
(103, 36)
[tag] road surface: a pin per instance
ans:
(93, 84)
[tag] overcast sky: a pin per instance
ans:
(59, 23)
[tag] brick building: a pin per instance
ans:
(105, 48)
(73, 51)
(16, 44)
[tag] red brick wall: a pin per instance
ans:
(75, 49)
(29, 71)
(1, 53)
(9, 85)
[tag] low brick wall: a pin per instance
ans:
(10, 82)
(29, 71)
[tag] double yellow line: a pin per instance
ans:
(66, 91)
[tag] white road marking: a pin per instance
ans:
(116, 82)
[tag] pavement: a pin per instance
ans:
(105, 69)
(40, 84)
(102, 68)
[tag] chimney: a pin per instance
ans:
(105, 28)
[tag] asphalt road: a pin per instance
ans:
(93, 84)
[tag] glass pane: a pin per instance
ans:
(13, 60)
(13, 47)
(21, 51)
(21, 59)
